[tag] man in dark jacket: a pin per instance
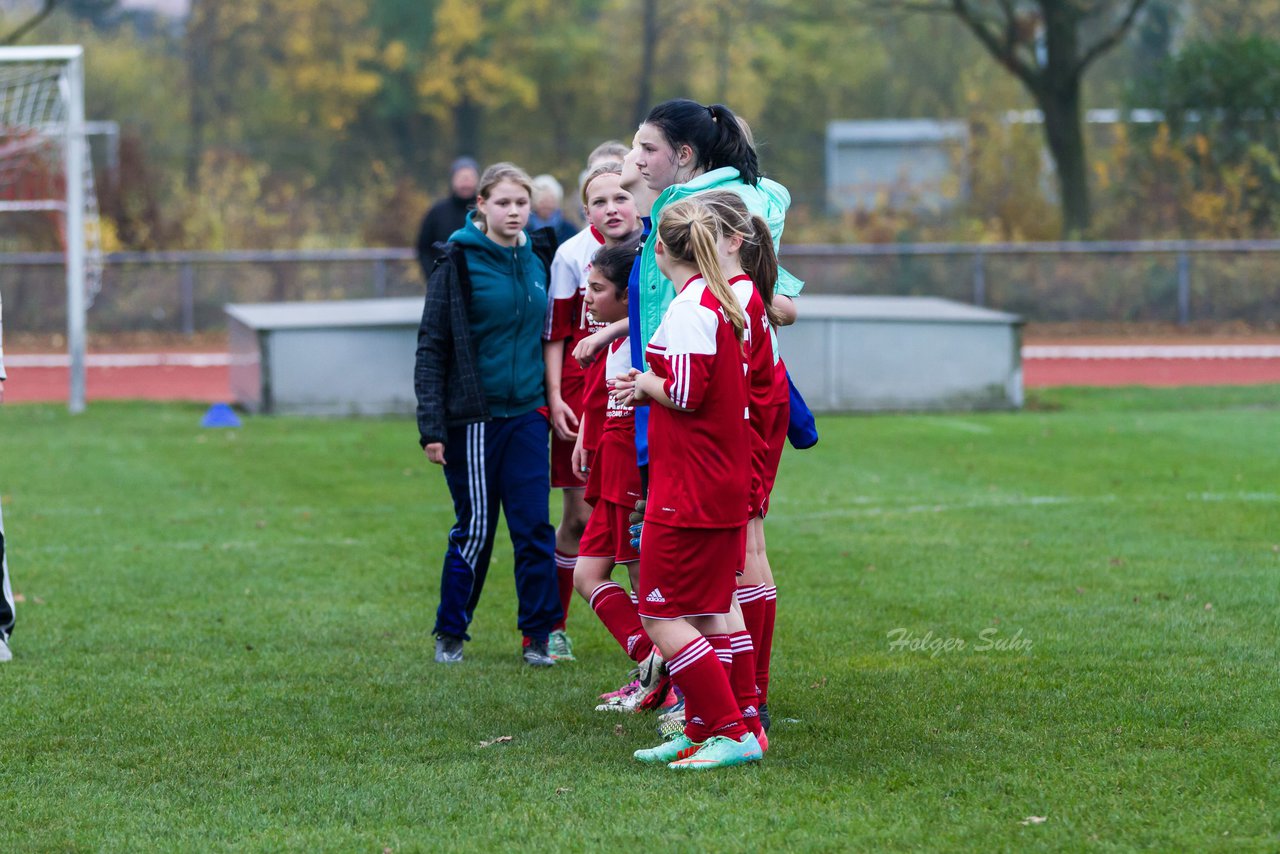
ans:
(448, 215)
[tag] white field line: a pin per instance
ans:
(186, 546)
(123, 546)
(1152, 351)
(957, 424)
(1016, 501)
(121, 360)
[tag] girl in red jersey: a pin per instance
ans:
(749, 260)
(613, 220)
(694, 534)
(612, 488)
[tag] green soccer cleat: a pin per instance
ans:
(561, 646)
(669, 751)
(720, 751)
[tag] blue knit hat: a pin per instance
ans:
(464, 163)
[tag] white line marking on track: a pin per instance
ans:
(1031, 352)
(121, 360)
(1152, 351)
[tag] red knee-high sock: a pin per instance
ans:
(618, 613)
(765, 650)
(724, 650)
(709, 706)
(742, 678)
(751, 599)
(564, 577)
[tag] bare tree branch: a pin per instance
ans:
(1004, 50)
(1112, 39)
(908, 6)
(46, 8)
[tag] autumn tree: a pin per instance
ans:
(1048, 45)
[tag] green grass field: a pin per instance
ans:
(223, 644)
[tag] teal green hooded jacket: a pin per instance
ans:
(768, 199)
(507, 309)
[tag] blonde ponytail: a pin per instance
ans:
(703, 237)
(690, 232)
(759, 260)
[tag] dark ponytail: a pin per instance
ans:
(717, 136)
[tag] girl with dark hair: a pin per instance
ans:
(747, 253)
(612, 489)
(685, 149)
(613, 220)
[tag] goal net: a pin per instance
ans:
(46, 171)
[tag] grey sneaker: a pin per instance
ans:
(6, 654)
(536, 654)
(448, 649)
(561, 646)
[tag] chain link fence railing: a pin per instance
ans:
(1170, 282)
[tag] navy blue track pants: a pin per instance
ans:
(503, 463)
(6, 592)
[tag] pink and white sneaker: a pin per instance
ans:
(625, 691)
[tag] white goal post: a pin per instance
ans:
(45, 166)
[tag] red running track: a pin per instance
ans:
(203, 377)
(1047, 365)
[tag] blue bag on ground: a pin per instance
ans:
(802, 432)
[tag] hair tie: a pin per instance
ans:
(711, 112)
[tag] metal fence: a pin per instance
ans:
(1174, 281)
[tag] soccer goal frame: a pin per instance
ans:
(66, 121)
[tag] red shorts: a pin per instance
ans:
(562, 465)
(608, 533)
(689, 572)
(562, 449)
(765, 459)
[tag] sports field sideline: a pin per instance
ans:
(203, 376)
(1035, 631)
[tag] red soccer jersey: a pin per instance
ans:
(614, 474)
(697, 475)
(759, 342)
(594, 400)
(567, 317)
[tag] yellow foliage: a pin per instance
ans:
(1102, 174)
(474, 56)
(109, 235)
(1201, 143)
(394, 55)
